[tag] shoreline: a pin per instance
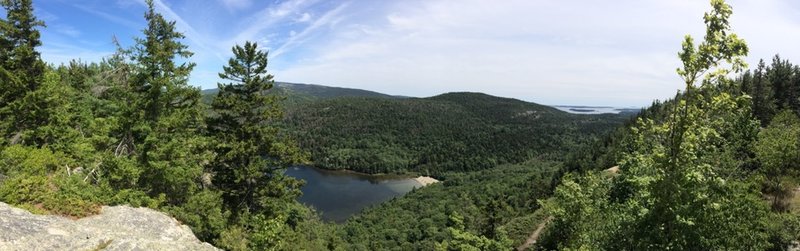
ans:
(425, 180)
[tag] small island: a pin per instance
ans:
(582, 110)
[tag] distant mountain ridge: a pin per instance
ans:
(300, 93)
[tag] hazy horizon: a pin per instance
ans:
(621, 53)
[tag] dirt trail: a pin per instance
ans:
(535, 235)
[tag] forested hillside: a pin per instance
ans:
(294, 94)
(449, 132)
(490, 209)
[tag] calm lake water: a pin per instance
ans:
(337, 194)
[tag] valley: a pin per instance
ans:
(96, 132)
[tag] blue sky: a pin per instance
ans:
(620, 52)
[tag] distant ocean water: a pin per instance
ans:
(595, 109)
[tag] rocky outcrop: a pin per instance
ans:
(115, 228)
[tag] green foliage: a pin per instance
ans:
(375, 135)
(22, 71)
(37, 180)
(250, 153)
(760, 89)
(127, 130)
(784, 229)
(233, 238)
(161, 122)
(518, 229)
(463, 240)
(778, 150)
(785, 81)
(679, 185)
(295, 95)
(204, 212)
(419, 219)
(298, 230)
(135, 198)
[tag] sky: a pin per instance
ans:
(570, 52)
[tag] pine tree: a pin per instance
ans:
(780, 76)
(763, 97)
(161, 123)
(794, 90)
(250, 152)
(20, 38)
(21, 72)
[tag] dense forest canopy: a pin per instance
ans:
(715, 168)
(375, 135)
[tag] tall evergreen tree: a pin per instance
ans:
(18, 43)
(763, 97)
(780, 76)
(794, 90)
(161, 123)
(21, 71)
(250, 152)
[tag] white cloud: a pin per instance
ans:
(769, 27)
(553, 52)
(330, 17)
(113, 18)
(203, 42)
(62, 53)
(66, 30)
(265, 19)
(233, 5)
(305, 17)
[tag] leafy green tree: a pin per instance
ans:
(778, 149)
(677, 187)
(678, 172)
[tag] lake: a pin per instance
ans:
(337, 195)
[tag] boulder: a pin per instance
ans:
(115, 228)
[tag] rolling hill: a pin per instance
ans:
(303, 93)
(454, 131)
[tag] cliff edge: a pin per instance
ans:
(115, 228)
